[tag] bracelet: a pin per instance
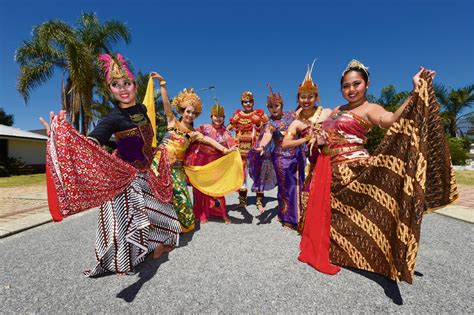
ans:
(307, 137)
(162, 83)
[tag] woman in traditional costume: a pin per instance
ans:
(199, 154)
(135, 214)
(303, 131)
(365, 211)
(217, 178)
(287, 164)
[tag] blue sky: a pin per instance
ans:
(242, 45)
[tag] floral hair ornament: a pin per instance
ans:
(273, 98)
(307, 86)
(115, 67)
(185, 98)
(217, 109)
(246, 96)
(356, 64)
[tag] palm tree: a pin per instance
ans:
(454, 104)
(74, 50)
(390, 99)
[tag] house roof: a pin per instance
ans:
(10, 132)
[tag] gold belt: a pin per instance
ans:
(332, 152)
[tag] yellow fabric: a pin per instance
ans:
(219, 177)
(149, 102)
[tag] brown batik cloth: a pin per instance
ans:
(378, 202)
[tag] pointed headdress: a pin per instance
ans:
(273, 98)
(115, 67)
(308, 86)
(217, 109)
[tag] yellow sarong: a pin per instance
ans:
(218, 178)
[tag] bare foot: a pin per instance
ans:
(261, 208)
(159, 250)
(227, 220)
(204, 221)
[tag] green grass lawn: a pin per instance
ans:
(23, 180)
(465, 177)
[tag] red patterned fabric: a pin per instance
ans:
(85, 176)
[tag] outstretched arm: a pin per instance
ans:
(197, 136)
(289, 141)
(164, 95)
(383, 118)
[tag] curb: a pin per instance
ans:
(22, 224)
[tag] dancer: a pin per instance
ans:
(201, 154)
(288, 163)
(247, 124)
(216, 179)
(304, 130)
(377, 202)
(135, 215)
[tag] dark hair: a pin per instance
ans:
(364, 74)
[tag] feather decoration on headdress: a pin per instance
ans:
(307, 86)
(115, 67)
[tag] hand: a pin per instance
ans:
(321, 137)
(47, 126)
(155, 75)
(260, 150)
(416, 77)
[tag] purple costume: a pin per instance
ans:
(288, 166)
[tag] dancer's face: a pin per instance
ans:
(247, 105)
(124, 91)
(189, 114)
(306, 100)
(354, 87)
(217, 120)
(275, 109)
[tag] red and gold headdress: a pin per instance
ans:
(307, 86)
(217, 109)
(356, 64)
(246, 96)
(115, 67)
(186, 98)
(273, 98)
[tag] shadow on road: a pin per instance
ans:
(390, 287)
(146, 271)
(267, 216)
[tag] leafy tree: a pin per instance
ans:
(455, 103)
(74, 50)
(5, 119)
(390, 99)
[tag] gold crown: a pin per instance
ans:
(307, 86)
(186, 98)
(217, 109)
(246, 96)
(356, 64)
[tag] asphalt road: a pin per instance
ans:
(250, 266)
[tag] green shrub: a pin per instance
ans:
(458, 148)
(14, 166)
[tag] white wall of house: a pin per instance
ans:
(30, 151)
